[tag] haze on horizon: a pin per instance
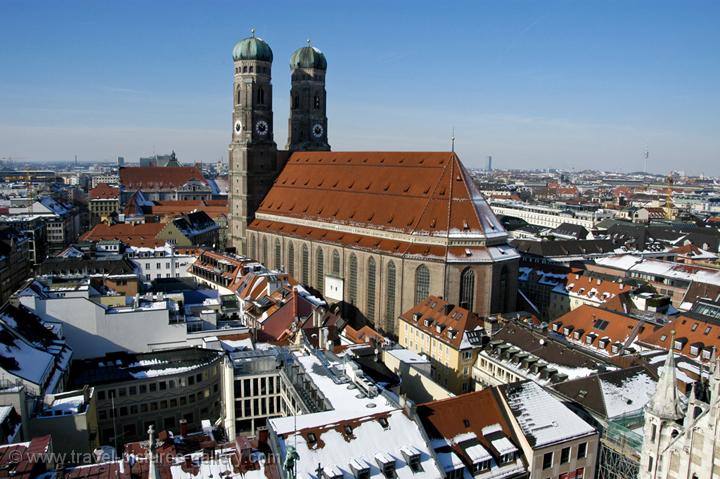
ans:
(534, 84)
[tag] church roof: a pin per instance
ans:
(427, 198)
(308, 57)
(252, 48)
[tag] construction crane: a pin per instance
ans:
(668, 198)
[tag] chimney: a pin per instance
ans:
(295, 299)
(448, 307)
(263, 436)
(409, 408)
(183, 427)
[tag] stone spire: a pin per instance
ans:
(665, 404)
(153, 472)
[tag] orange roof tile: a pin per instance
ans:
(693, 334)
(441, 324)
(590, 327)
(103, 191)
(158, 177)
(409, 192)
(130, 234)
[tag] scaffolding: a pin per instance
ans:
(620, 447)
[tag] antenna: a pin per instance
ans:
(452, 140)
(647, 155)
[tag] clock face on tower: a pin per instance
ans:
(238, 126)
(317, 130)
(261, 127)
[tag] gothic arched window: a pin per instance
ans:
(296, 102)
(305, 265)
(261, 96)
(335, 262)
(467, 289)
(245, 69)
(277, 254)
(253, 247)
(390, 298)
(371, 290)
(316, 102)
(291, 259)
(264, 259)
(503, 287)
(353, 279)
(319, 270)
(239, 94)
(422, 283)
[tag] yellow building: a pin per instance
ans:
(450, 336)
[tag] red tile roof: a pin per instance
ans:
(693, 334)
(103, 191)
(25, 460)
(213, 208)
(409, 192)
(130, 234)
(442, 324)
(590, 327)
(151, 178)
(466, 415)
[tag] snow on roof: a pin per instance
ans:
(503, 446)
(369, 444)
(449, 461)
(629, 396)
(477, 453)
(33, 364)
(543, 419)
(65, 406)
(407, 356)
(347, 402)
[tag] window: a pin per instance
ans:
(319, 269)
(277, 254)
(371, 290)
(239, 93)
(316, 102)
(291, 259)
(564, 455)
(650, 464)
(467, 289)
(305, 265)
(352, 281)
(547, 460)
(336, 262)
(422, 283)
(260, 95)
(503, 286)
(264, 258)
(582, 450)
(390, 298)
(296, 102)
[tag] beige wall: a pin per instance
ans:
(415, 383)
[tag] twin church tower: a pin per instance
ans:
(255, 160)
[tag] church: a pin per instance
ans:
(374, 232)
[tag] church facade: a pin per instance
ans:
(682, 441)
(375, 232)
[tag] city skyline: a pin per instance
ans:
(554, 85)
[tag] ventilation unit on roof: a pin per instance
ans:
(360, 469)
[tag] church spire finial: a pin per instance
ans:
(666, 403)
(309, 43)
(252, 30)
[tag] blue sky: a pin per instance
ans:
(568, 84)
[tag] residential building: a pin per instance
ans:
(555, 441)
(15, 261)
(112, 273)
(106, 178)
(104, 203)
(135, 391)
(166, 261)
(472, 436)
(450, 336)
(517, 352)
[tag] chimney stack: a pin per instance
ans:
(183, 427)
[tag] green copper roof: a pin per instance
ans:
(308, 57)
(252, 48)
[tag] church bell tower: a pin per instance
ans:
(253, 156)
(307, 126)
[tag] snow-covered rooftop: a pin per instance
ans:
(543, 419)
